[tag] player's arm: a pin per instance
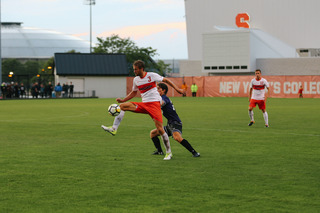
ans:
(267, 94)
(181, 91)
(131, 95)
(250, 93)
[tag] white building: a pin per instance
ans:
(276, 30)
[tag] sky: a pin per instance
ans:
(159, 24)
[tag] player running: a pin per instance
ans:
(258, 96)
(174, 124)
(146, 83)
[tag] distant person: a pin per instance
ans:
(194, 90)
(22, 90)
(41, 92)
(300, 92)
(49, 89)
(58, 90)
(34, 91)
(184, 87)
(71, 87)
(65, 89)
(258, 96)
(4, 90)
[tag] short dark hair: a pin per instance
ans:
(258, 70)
(164, 87)
(139, 63)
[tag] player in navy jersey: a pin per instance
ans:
(174, 125)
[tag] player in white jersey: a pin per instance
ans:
(258, 95)
(146, 83)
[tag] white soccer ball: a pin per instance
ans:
(114, 109)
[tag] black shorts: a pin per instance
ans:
(173, 127)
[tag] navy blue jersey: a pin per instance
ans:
(168, 110)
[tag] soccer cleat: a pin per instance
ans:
(196, 154)
(250, 124)
(109, 129)
(157, 153)
(267, 125)
(168, 156)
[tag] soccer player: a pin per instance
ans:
(258, 96)
(146, 83)
(300, 92)
(174, 124)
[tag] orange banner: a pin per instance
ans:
(238, 86)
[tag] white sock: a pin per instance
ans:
(117, 120)
(166, 142)
(265, 116)
(251, 115)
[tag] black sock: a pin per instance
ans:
(187, 145)
(156, 143)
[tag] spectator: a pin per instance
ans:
(184, 87)
(34, 91)
(71, 90)
(58, 90)
(42, 88)
(49, 89)
(194, 89)
(16, 90)
(4, 90)
(22, 90)
(65, 89)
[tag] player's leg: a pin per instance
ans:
(165, 139)
(250, 112)
(154, 137)
(177, 136)
(128, 106)
(265, 116)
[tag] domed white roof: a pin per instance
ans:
(26, 42)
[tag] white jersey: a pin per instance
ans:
(258, 87)
(148, 86)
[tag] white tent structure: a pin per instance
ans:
(33, 43)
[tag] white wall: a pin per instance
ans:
(105, 87)
(295, 22)
(289, 66)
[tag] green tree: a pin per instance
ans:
(115, 44)
(14, 66)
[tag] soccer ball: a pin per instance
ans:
(114, 109)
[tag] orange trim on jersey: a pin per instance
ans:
(258, 87)
(146, 87)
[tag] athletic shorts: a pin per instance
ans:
(261, 103)
(173, 127)
(151, 108)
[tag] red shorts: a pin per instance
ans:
(151, 108)
(261, 103)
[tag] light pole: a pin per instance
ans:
(0, 51)
(90, 2)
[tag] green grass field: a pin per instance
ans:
(54, 157)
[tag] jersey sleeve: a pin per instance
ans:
(250, 85)
(156, 77)
(134, 85)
